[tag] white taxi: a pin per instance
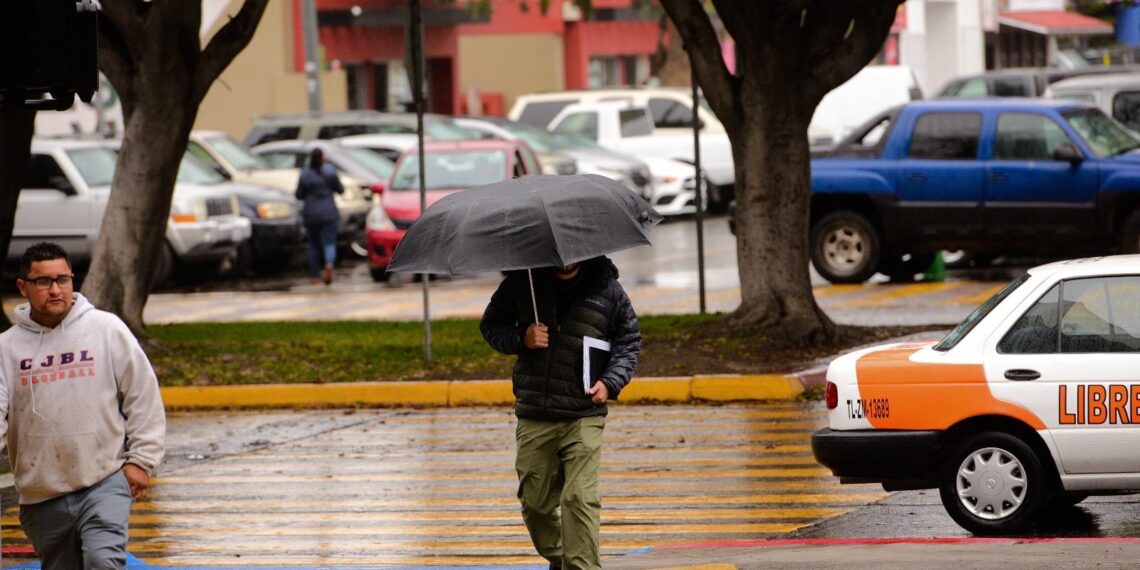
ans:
(1032, 402)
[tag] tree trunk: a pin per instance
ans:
(161, 87)
(791, 53)
(16, 130)
(773, 165)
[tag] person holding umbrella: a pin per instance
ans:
(561, 311)
(559, 433)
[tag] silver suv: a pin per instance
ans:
(65, 195)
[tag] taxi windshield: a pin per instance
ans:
(978, 314)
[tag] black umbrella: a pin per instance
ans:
(525, 223)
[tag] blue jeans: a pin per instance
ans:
(322, 245)
(85, 529)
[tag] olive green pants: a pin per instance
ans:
(558, 464)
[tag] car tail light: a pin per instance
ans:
(832, 396)
(378, 189)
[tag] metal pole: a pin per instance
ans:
(312, 69)
(416, 28)
(699, 200)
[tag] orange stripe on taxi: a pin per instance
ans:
(902, 394)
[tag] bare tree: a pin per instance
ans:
(16, 131)
(790, 54)
(152, 54)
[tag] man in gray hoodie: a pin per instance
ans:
(83, 417)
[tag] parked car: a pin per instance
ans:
(399, 144)
(1118, 95)
(363, 168)
(1019, 82)
(449, 167)
(588, 156)
(274, 217)
(987, 176)
(873, 90)
(553, 162)
(334, 125)
(389, 145)
(1029, 403)
(65, 195)
(630, 130)
(240, 164)
(671, 108)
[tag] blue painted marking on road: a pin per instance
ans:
(134, 563)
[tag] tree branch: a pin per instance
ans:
(701, 43)
(845, 39)
(226, 44)
(115, 59)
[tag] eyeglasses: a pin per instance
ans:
(44, 283)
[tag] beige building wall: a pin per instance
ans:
(512, 65)
(261, 78)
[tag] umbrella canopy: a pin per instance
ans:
(524, 223)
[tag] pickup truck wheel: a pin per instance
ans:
(1130, 237)
(994, 483)
(844, 247)
(379, 274)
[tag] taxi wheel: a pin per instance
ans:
(994, 483)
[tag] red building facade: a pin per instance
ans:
(486, 58)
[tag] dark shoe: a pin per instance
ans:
(327, 275)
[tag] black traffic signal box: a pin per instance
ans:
(47, 47)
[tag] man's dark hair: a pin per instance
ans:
(316, 158)
(42, 251)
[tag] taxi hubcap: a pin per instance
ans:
(991, 483)
(844, 248)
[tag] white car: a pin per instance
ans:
(65, 195)
(674, 184)
(1032, 402)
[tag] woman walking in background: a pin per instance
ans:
(315, 188)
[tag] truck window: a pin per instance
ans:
(582, 124)
(635, 123)
(975, 87)
(1027, 136)
(44, 172)
(670, 114)
(946, 136)
(337, 131)
(262, 135)
(1126, 109)
(540, 113)
(1010, 87)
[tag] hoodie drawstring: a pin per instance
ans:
(32, 386)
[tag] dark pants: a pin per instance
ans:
(322, 245)
(85, 529)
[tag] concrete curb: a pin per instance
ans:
(455, 393)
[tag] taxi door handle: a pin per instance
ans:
(1022, 374)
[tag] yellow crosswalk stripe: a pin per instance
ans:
(438, 488)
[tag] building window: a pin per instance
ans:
(619, 71)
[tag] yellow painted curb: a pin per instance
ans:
(479, 393)
(429, 393)
(657, 390)
(734, 387)
(411, 393)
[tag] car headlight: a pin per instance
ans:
(274, 210)
(378, 220)
(192, 210)
(665, 179)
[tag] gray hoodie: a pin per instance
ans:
(79, 401)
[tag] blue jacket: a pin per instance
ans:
(315, 188)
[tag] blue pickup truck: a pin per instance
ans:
(988, 176)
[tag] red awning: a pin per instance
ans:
(1057, 23)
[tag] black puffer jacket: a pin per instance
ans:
(548, 382)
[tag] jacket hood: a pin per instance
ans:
(79, 306)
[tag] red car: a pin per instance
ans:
(449, 167)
